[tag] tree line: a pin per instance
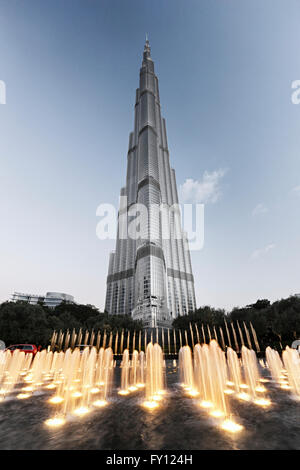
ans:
(277, 324)
(21, 322)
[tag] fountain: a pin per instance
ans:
(234, 368)
(81, 381)
(155, 383)
(186, 369)
(125, 366)
(291, 362)
(210, 377)
(275, 365)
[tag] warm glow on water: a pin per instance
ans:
(202, 373)
(260, 388)
(100, 403)
(231, 426)
(217, 413)
(157, 397)
(55, 422)
(51, 386)
(206, 404)
(150, 404)
(23, 396)
(123, 392)
(262, 402)
(244, 386)
(244, 396)
(81, 411)
(55, 400)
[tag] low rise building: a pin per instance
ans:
(51, 299)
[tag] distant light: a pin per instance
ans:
(150, 404)
(157, 397)
(23, 396)
(206, 404)
(228, 391)
(193, 393)
(260, 388)
(56, 399)
(231, 426)
(100, 403)
(262, 402)
(81, 411)
(285, 386)
(244, 386)
(55, 422)
(244, 396)
(217, 413)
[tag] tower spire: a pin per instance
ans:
(147, 49)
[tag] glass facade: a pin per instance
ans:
(150, 276)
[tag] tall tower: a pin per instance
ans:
(150, 274)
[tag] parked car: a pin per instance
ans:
(26, 348)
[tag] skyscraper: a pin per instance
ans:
(150, 274)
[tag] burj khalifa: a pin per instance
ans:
(150, 274)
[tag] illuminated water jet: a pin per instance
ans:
(231, 426)
(81, 411)
(55, 422)
(100, 403)
(56, 399)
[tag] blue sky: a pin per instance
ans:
(225, 70)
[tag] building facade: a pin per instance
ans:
(51, 299)
(150, 274)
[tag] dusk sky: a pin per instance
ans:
(225, 71)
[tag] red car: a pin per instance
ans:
(26, 348)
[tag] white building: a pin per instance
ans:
(51, 299)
